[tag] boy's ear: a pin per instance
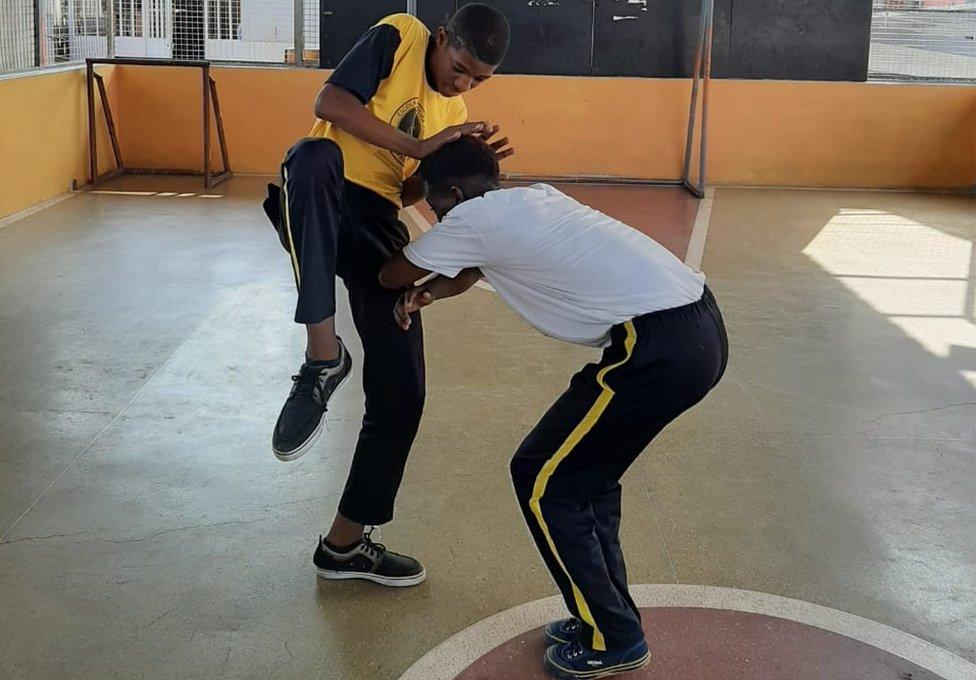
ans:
(440, 36)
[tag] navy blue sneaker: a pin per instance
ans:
(562, 631)
(574, 661)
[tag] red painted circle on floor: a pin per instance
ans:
(713, 644)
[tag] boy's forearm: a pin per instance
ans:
(341, 108)
(442, 287)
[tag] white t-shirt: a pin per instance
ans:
(569, 270)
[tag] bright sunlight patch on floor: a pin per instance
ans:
(917, 276)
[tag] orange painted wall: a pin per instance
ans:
(264, 112)
(778, 133)
(844, 135)
(44, 136)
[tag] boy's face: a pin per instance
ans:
(454, 70)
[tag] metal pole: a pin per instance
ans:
(109, 120)
(38, 33)
(110, 30)
(412, 7)
(92, 143)
(220, 126)
(699, 58)
(206, 126)
(706, 79)
(299, 33)
(208, 30)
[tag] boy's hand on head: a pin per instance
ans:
(428, 146)
(500, 146)
(410, 301)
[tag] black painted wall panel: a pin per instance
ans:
(791, 39)
(816, 40)
(552, 37)
(651, 37)
(435, 13)
(342, 22)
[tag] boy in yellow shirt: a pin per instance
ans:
(392, 100)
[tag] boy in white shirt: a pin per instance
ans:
(577, 275)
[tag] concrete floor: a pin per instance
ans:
(147, 531)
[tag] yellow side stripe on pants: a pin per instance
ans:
(291, 241)
(542, 480)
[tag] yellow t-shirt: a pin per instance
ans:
(387, 71)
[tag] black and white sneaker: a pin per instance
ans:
(369, 561)
(301, 419)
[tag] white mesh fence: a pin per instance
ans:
(248, 31)
(923, 40)
(910, 39)
(311, 22)
(39, 33)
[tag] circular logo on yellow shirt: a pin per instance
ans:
(409, 118)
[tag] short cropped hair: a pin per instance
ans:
(480, 29)
(459, 162)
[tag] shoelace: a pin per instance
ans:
(375, 550)
(575, 649)
(307, 383)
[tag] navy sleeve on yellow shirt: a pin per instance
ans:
(368, 63)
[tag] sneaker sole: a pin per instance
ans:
(294, 454)
(569, 674)
(391, 581)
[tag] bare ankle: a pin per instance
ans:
(321, 355)
(322, 344)
(344, 532)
